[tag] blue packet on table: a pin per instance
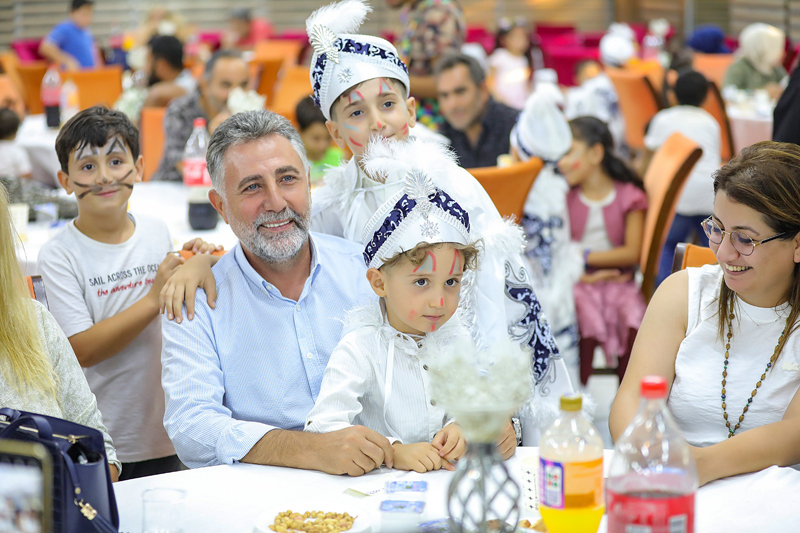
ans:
(402, 506)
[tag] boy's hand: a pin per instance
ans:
(451, 444)
(420, 457)
(507, 444)
(199, 246)
(165, 270)
(183, 284)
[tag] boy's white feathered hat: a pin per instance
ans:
(342, 58)
(541, 130)
(420, 211)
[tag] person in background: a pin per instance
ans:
(104, 271)
(161, 21)
(744, 416)
(38, 369)
(697, 197)
(14, 160)
(71, 43)
(477, 125)
(431, 29)
(606, 205)
(244, 31)
(167, 77)
(511, 64)
(708, 39)
(224, 71)
(595, 96)
(320, 149)
(786, 116)
(761, 49)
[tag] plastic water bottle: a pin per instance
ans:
(653, 480)
(202, 214)
(69, 101)
(51, 97)
(571, 472)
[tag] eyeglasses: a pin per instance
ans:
(742, 243)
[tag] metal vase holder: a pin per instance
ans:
(482, 491)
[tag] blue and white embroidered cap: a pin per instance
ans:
(419, 212)
(541, 130)
(342, 58)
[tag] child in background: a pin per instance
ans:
(595, 96)
(14, 160)
(511, 64)
(104, 272)
(697, 198)
(419, 248)
(321, 151)
(606, 205)
(556, 262)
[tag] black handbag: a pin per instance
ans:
(83, 496)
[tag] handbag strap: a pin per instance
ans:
(100, 523)
(10, 414)
(38, 423)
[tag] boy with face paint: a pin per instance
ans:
(104, 272)
(418, 249)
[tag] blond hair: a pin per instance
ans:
(23, 361)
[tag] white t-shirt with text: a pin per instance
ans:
(88, 281)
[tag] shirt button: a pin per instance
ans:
(297, 307)
(310, 355)
(424, 367)
(433, 402)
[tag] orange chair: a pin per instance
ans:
(286, 50)
(715, 105)
(266, 72)
(101, 86)
(152, 128)
(292, 87)
(638, 103)
(652, 69)
(9, 61)
(692, 255)
(508, 187)
(663, 182)
(31, 74)
(712, 66)
(9, 96)
(37, 290)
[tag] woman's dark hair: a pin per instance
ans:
(505, 27)
(594, 131)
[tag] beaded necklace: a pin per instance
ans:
(732, 431)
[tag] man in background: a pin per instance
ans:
(244, 31)
(71, 43)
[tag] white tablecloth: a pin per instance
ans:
(165, 200)
(40, 143)
(748, 127)
(230, 498)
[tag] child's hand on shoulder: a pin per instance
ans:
(451, 443)
(166, 269)
(199, 246)
(182, 287)
(420, 457)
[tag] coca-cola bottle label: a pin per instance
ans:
(195, 173)
(652, 512)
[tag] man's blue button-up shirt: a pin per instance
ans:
(255, 363)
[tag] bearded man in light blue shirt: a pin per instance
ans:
(240, 378)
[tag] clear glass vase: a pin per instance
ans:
(482, 496)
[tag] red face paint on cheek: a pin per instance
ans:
(355, 143)
(441, 302)
(433, 327)
(412, 315)
(378, 124)
(404, 131)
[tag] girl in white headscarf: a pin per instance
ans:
(758, 66)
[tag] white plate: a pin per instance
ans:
(360, 525)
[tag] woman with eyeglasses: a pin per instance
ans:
(724, 335)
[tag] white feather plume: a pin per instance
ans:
(391, 160)
(339, 17)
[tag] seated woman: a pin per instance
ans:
(724, 335)
(761, 49)
(38, 369)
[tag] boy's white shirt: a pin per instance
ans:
(89, 281)
(354, 387)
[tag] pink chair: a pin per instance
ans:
(211, 38)
(27, 50)
(564, 60)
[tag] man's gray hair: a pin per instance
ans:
(453, 59)
(243, 128)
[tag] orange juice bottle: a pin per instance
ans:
(571, 472)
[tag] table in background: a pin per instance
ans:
(165, 200)
(230, 498)
(747, 126)
(40, 143)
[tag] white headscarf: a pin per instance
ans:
(542, 130)
(762, 45)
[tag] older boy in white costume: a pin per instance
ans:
(362, 86)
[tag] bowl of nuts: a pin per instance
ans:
(317, 520)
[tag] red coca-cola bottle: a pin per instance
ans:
(51, 97)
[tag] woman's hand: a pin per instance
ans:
(183, 284)
(701, 460)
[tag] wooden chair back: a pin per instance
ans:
(152, 139)
(9, 62)
(652, 69)
(10, 96)
(293, 85)
(287, 50)
(37, 290)
(663, 182)
(508, 187)
(712, 66)
(101, 86)
(692, 255)
(31, 75)
(266, 73)
(715, 106)
(638, 103)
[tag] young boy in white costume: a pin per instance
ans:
(362, 87)
(418, 248)
(542, 131)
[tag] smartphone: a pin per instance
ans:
(26, 493)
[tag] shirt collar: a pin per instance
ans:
(256, 279)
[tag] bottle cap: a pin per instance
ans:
(199, 123)
(571, 402)
(653, 387)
